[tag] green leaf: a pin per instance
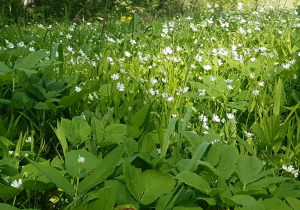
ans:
(264, 183)
(293, 202)
(194, 180)
(275, 204)
(103, 170)
(106, 199)
(105, 90)
(7, 192)
(77, 130)
(187, 208)
(243, 199)
(61, 137)
(197, 156)
(258, 205)
(169, 132)
(227, 163)
(214, 153)
(32, 59)
(116, 129)
(4, 69)
(54, 176)
(97, 129)
(69, 100)
(123, 196)
(132, 177)
(5, 206)
(287, 190)
(247, 168)
(135, 127)
(76, 169)
(155, 184)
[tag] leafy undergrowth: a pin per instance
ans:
(189, 113)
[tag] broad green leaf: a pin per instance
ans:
(4, 69)
(103, 170)
(123, 196)
(227, 163)
(197, 156)
(97, 129)
(61, 137)
(33, 58)
(8, 192)
(135, 127)
(69, 100)
(116, 129)
(5, 206)
(132, 177)
(77, 169)
(169, 132)
(248, 167)
(105, 90)
(261, 175)
(275, 204)
(264, 183)
(194, 180)
(258, 205)
(243, 199)
(106, 199)
(155, 184)
(293, 202)
(214, 153)
(77, 130)
(287, 190)
(54, 176)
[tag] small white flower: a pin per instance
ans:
(133, 42)
(153, 81)
(261, 84)
(295, 173)
(288, 168)
(286, 66)
(11, 45)
(81, 159)
(28, 140)
(255, 92)
(230, 116)
(69, 36)
(198, 58)
(189, 18)
(114, 77)
(17, 184)
(31, 49)
(252, 59)
(77, 89)
(252, 75)
(230, 87)
(10, 152)
(120, 86)
(207, 67)
(127, 54)
(212, 78)
(216, 118)
(201, 92)
(248, 134)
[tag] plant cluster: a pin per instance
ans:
(194, 112)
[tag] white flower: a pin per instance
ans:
(127, 54)
(255, 92)
(216, 118)
(230, 116)
(70, 49)
(77, 89)
(153, 81)
(248, 134)
(198, 58)
(69, 36)
(201, 92)
(228, 80)
(120, 86)
(31, 49)
(114, 77)
(252, 59)
(286, 66)
(133, 42)
(28, 140)
(81, 159)
(40, 26)
(230, 87)
(17, 184)
(21, 44)
(170, 99)
(295, 172)
(189, 18)
(262, 84)
(167, 51)
(288, 168)
(10, 152)
(252, 75)
(11, 45)
(203, 118)
(212, 78)
(207, 67)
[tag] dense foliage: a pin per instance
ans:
(163, 113)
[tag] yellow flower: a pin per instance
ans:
(123, 18)
(129, 18)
